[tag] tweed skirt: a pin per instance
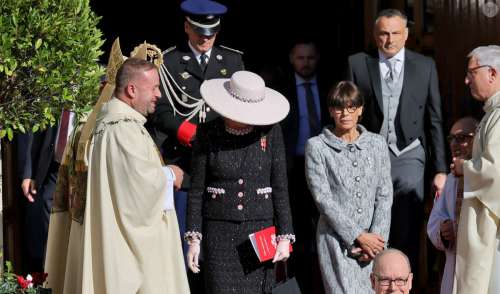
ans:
(230, 264)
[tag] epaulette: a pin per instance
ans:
(169, 49)
(231, 49)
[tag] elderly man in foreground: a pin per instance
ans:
(391, 273)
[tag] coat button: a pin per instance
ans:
(360, 210)
(266, 196)
(358, 194)
(214, 196)
(240, 207)
(352, 149)
(357, 178)
(354, 163)
(240, 194)
(208, 109)
(240, 181)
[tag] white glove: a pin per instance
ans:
(282, 251)
(192, 256)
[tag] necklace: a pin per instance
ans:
(239, 132)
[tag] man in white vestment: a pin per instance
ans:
(130, 241)
(478, 231)
(443, 220)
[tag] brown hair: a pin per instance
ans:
(129, 70)
(345, 93)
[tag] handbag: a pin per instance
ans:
(288, 285)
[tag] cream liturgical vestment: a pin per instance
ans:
(128, 242)
(477, 268)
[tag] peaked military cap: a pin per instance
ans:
(203, 15)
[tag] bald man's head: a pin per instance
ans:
(461, 137)
(391, 273)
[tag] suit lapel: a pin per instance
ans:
(410, 72)
(374, 72)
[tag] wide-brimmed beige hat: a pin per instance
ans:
(245, 99)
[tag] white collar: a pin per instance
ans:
(197, 53)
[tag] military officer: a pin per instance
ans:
(185, 67)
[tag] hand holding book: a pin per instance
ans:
(282, 251)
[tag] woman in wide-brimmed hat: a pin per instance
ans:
(238, 185)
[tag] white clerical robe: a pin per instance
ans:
(478, 253)
(128, 243)
(443, 209)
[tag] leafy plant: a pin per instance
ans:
(49, 52)
(11, 283)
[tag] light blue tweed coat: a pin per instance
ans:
(351, 185)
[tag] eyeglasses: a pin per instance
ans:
(350, 109)
(383, 281)
(471, 71)
(460, 138)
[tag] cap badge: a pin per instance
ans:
(223, 71)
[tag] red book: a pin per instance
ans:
(264, 243)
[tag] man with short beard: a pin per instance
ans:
(306, 93)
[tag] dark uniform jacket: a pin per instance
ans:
(238, 178)
(185, 69)
(419, 111)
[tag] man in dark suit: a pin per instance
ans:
(179, 111)
(39, 155)
(306, 94)
(403, 104)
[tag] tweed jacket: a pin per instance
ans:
(351, 183)
(238, 178)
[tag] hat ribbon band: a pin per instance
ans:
(243, 99)
(210, 26)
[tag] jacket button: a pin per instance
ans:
(354, 163)
(208, 109)
(360, 210)
(240, 181)
(352, 149)
(357, 178)
(266, 196)
(240, 194)
(240, 207)
(358, 194)
(214, 196)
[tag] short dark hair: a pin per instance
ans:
(345, 93)
(129, 70)
(391, 12)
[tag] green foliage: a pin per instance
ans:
(49, 51)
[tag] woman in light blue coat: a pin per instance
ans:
(348, 173)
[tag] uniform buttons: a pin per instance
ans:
(183, 87)
(358, 194)
(354, 163)
(357, 178)
(240, 207)
(360, 210)
(240, 181)
(266, 196)
(240, 194)
(208, 109)
(214, 196)
(352, 149)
